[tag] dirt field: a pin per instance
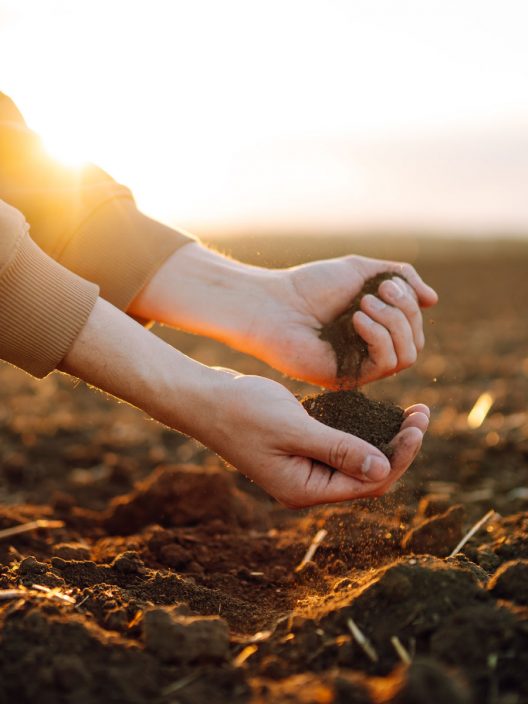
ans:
(173, 579)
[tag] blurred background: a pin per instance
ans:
(298, 117)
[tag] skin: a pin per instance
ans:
(276, 314)
(254, 423)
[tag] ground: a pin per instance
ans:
(173, 579)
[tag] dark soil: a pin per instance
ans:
(350, 349)
(182, 572)
(375, 422)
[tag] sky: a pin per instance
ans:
(312, 116)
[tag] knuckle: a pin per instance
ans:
(339, 454)
(409, 356)
(407, 269)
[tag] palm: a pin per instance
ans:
(310, 297)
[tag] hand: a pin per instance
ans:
(276, 315)
(309, 296)
(262, 430)
(253, 423)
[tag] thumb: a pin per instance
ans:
(345, 452)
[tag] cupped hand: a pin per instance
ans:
(307, 297)
(262, 430)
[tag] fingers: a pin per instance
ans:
(311, 482)
(405, 447)
(345, 453)
(416, 420)
(396, 323)
(400, 295)
(382, 355)
(426, 295)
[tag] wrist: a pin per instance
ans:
(203, 292)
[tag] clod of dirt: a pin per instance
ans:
(349, 348)
(438, 535)
(352, 412)
(184, 495)
(510, 582)
(184, 639)
(423, 681)
(71, 551)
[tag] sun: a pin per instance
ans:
(66, 147)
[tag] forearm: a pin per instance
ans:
(117, 355)
(203, 292)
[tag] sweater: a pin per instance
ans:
(67, 235)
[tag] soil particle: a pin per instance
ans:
(375, 422)
(437, 535)
(183, 639)
(510, 582)
(349, 348)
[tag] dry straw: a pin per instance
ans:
(362, 640)
(478, 525)
(318, 539)
(28, 527)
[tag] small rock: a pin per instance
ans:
(438, 535)
(510, 582)
(183, 639)
(128, 562)
(30, 565)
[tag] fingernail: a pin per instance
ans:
(364, 318)
(375, 302)
(375, 468)
(393, 290)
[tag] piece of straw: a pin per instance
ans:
(6, 594)
(403, 653)
(180, 684)
(27, 527)
(478, 525)
(362, 640)
(54, 593)
(318, 539)
(244, 655)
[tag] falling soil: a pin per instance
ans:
(173, 580)
(350, 349)
(376, 422)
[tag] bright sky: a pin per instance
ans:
(285, 114)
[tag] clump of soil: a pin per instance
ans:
(350, 349)
(352, 412)
(437, 535)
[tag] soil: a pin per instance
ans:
(349, 348)
(172, 578)
(376, 422)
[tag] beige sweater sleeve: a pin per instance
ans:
(81, 217)
(43, 305)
